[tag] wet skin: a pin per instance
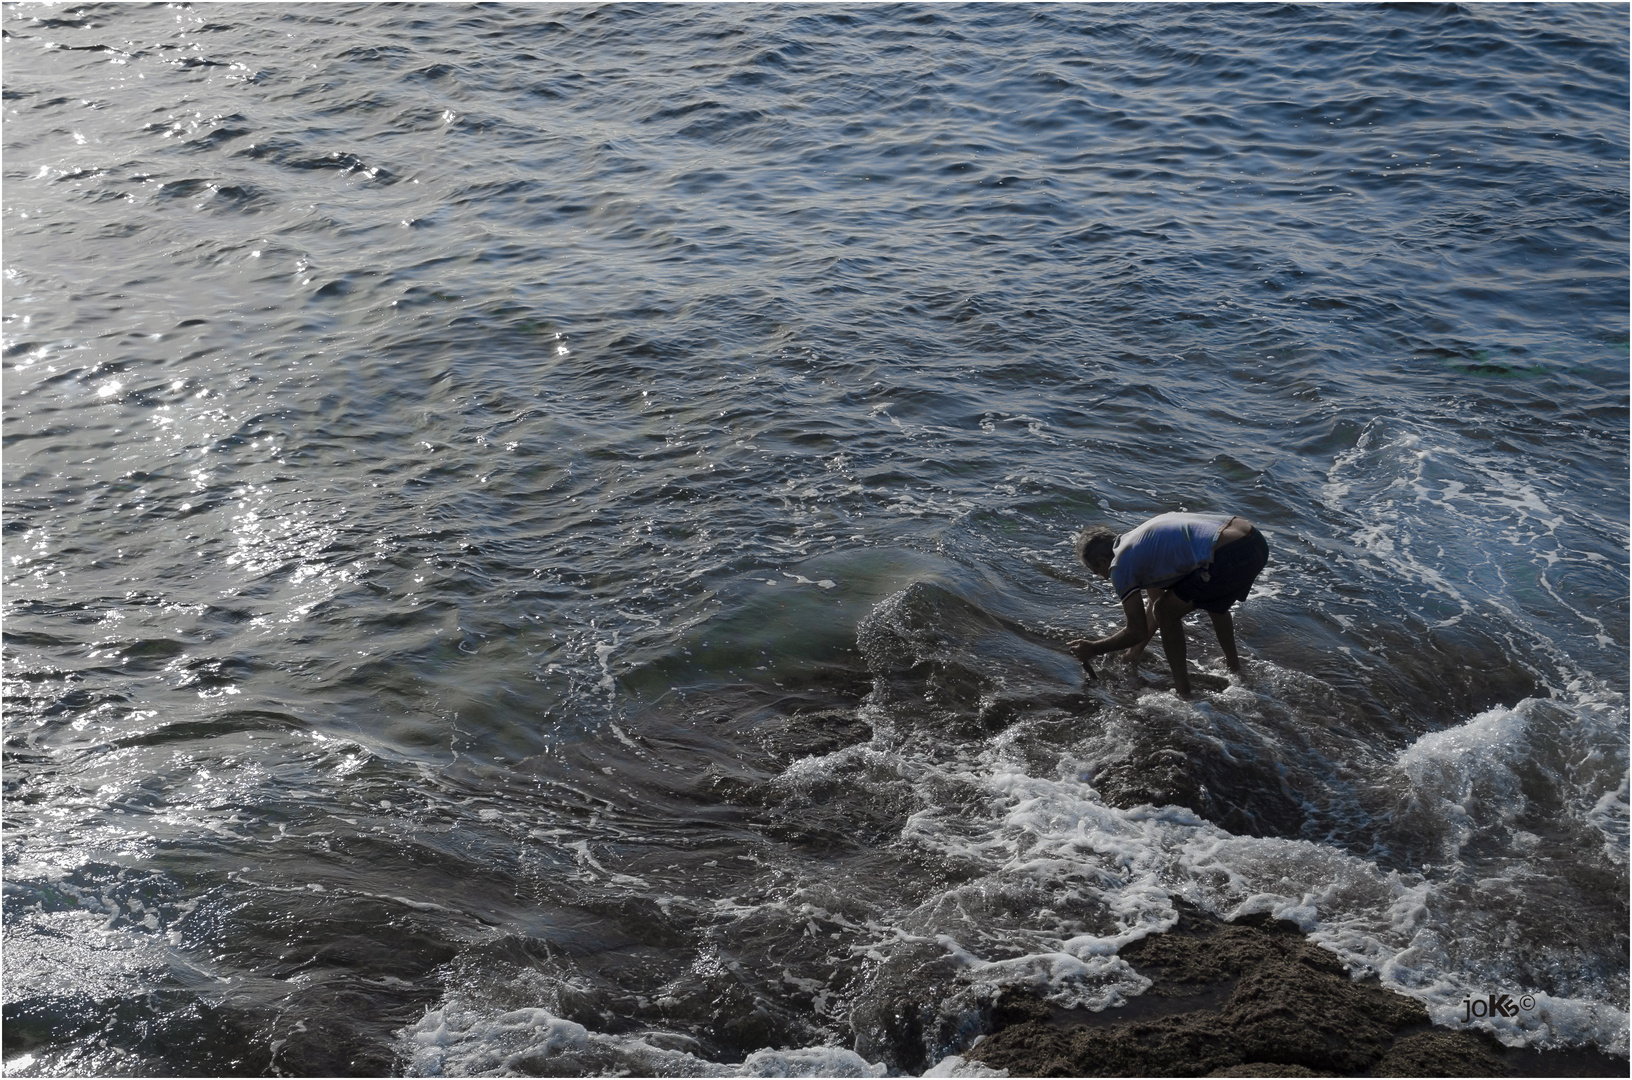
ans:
(1161, 610)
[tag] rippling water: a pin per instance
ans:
(537, 539)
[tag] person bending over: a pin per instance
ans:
(1182, 562)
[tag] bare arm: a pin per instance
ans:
(1137, 631)
(1151, 597)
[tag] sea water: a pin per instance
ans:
(538, 538)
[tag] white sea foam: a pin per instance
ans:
(457, 1040)
(1479, 531)
(957, 1065)
(1054, 834)
(1376, 920)
(1610, 815)
(1468, 772)
(1039, 851)
(1057, 832)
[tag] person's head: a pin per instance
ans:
(1096, 546)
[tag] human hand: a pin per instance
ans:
(1081, 649)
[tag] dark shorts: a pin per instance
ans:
(1228, 578)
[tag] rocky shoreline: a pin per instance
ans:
(1253, 998)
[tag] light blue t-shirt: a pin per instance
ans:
(1164, 549)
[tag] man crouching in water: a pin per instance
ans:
(1182, 561)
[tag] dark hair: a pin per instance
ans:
(1098, 541)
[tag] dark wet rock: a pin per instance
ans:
(1170, 765)
(1460, 673)
(897, 1023)
(807, 732)
(1250, 998)
(1441, 1053)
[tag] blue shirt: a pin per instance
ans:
(1164, 549)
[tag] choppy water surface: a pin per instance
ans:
(537, 538)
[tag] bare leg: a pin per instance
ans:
(1224, 627)
(1169, 613)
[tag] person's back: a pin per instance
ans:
(1163, 550)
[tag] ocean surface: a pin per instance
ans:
(537, 539)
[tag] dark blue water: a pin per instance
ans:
(537, 539)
